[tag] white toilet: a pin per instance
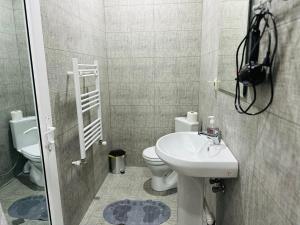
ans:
(26, 141)
(163, 178)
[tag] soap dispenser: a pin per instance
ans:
(211, 129)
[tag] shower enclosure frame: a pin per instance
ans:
(43, 108)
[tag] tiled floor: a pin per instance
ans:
(15, 190)
(134, 184)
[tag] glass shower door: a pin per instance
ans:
(22, 181)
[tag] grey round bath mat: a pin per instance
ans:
(130, 212)
(31, 208)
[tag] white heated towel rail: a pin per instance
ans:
(85, 102)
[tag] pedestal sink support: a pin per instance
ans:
(190, 200)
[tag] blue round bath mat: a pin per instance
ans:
(130, 212)
(31, 208)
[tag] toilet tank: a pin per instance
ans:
(182, 125)
(18, 127)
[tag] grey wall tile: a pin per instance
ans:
(120, 69)
(123, 137)
(118, 45)
(6, 4)
(15, 76)
(176, 93)
(140, 2)
(166, 44)
(142, 70)
(189, 43)
(109, 3)
(132, 93)
(177, 43)
(179, 69)
(117, 18)
(232, 207)
(166, 17)
(9, 48)
(262, 209)
(134, 116)
(7, 20)
(10, 72)
(276, 163)
(17, 4)
(190, 16)
(142, 44)
(176, 1)
(210, 27)
(140, 18)
(266, 191)
(153, 65)
(76, 29)
(234, 20)
(115, 2)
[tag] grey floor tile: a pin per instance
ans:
(128, 186)
(17, 189)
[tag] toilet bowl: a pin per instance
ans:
(26, 142)
(34, 164)
(163, 178)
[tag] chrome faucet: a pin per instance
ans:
(216, 137)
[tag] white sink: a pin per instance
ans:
(194, 157)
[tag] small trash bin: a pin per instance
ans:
(117, 161)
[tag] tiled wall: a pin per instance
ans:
(153, 49)
(267, 146)
(75, 28)
(232, 29)
(15, 85)
(23, 55)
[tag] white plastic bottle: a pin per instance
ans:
(211, 129)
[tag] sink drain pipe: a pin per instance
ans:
(208, 215)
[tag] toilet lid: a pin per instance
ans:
(32, 151)
(150, 154)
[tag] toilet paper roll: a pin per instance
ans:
(16, 115)
(192, 116)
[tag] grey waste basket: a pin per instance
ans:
(117, 161)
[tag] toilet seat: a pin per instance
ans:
(32, 152)
(163, 178)
(150, 154)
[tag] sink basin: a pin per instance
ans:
(195, 155)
